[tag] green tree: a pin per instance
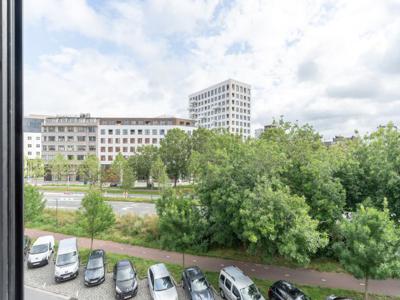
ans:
(128, 181)
(370, 245)
(108, 175)
(33, 203)
(118, 166)
(89, 169)
(58, 166)
(175, 152)
(277, 222)
(181, 223)
(310, 171)
(34, 168)
(225, 171)
(143, 161)
(158, 173)
(95, 215)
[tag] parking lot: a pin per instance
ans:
(43, 278)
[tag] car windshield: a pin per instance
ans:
(39, 249)
(66, 259)
(125, 274)
(199, 284)
(162, 284)
(251, 293)
(95, 263)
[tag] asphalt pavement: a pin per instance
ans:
(31, 293)
(73, 201)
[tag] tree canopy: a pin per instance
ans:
(95, 215)
(370, 243)
(33, 203)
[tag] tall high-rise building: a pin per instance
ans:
(225, 105)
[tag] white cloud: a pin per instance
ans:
(335, 64)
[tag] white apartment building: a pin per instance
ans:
(32, 136)
(224, 105)
(127, 135)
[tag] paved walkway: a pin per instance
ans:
(388, 287)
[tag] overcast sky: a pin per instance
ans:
(333, 64)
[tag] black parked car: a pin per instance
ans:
(27, 244)
(283, 290)
(195, 284)
(96, 268)
(126, 284)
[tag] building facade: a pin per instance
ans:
(226, 105)
(32, 136)
(127, 135)
(75, 137)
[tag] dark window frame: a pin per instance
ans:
(11, 148)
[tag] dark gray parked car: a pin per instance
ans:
(126, 283)
(96, 268)
(196, 285)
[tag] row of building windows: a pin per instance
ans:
(109, 157)
(30, 145)
(222, 117)
(79, 148)
(117, 149)
(216, 101)
(226, 123)
(130, 140)
(69, 129)
(133, 131)
(30, 153)
(221, 89)
(141, 122)
(29, 138)
(62, 138)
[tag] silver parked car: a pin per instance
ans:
(161, 284)
(235, 285)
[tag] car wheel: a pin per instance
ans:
(222, 293)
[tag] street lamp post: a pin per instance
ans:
(57, 212)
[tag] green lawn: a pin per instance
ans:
(111, 190)
(131, 199)
(141, 265)
(64, 188)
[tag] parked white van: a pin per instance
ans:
(67, 262)
(40, 252)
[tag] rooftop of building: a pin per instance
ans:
(230, 80)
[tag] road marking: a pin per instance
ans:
(222, 265)
(167, 256)
(287, 275)
(362, 284)
(253, 270)
(323, 279)
(194, 260)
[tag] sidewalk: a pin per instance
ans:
(388, 287)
